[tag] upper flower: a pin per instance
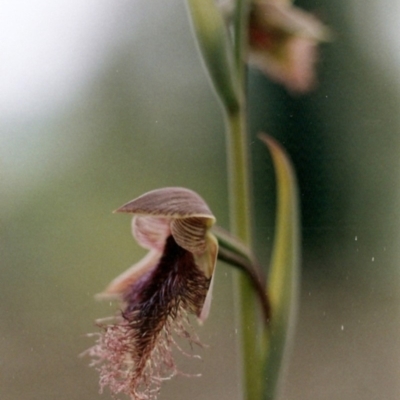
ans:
(283, 43)
(172, 280)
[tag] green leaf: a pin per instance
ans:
(283, 280)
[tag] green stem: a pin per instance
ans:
(238, 170)
(240, 211)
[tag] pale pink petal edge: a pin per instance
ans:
(120, 284)
(212, 255)
(151, 232)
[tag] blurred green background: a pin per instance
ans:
(104, 101)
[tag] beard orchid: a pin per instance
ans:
(134, 352)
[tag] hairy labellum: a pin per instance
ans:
(135, 352)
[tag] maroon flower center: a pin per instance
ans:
(176, 284)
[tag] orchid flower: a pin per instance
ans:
(134, 353)
(283, 43)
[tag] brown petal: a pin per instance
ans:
(190, 233)
(170, 202)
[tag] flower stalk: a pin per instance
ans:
(241, 211)
(240, 221)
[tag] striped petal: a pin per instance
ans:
(170, 202)
(190, 233)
